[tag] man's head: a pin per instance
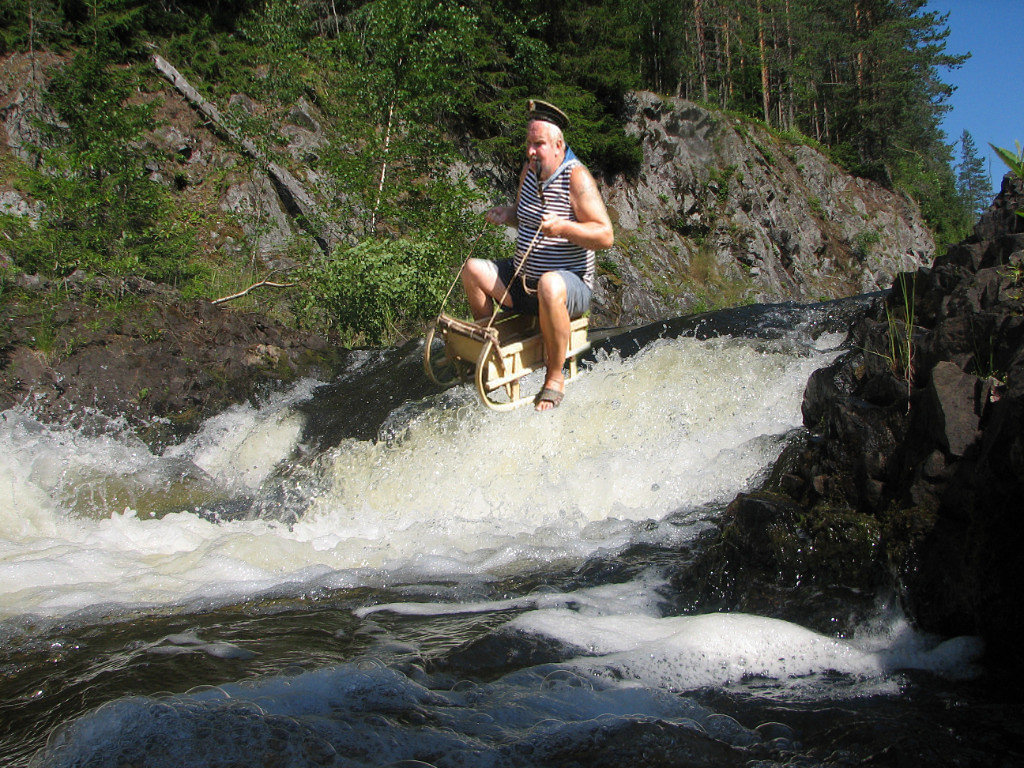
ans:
(545, 147)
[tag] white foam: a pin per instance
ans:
(689, 652)
(639, 595)
(242, 446)
(455, 491)
(375, 714)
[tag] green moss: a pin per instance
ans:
(712, 286)
(864, 242)
(904, 529)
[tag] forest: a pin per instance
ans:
(408, 87)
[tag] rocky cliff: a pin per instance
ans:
(725, 212)
(914, 473)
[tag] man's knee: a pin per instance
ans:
(551, 288)
(479, 272)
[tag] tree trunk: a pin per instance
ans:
(790, 88)
(860, 50)
(383, 168)
(702, 64)
(765, 99)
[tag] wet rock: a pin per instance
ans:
(163, 364)
(820, 567)
(934, 450)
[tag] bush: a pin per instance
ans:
(379, 288)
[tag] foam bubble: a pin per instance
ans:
(689, 652)
(452, 491)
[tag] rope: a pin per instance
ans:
(515, 274)
(458, 274)
(508, 288)
(497, 309)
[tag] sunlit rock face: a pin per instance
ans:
(723, 212)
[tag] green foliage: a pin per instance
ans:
(408, 86)
(864, 242)
(110, 29)
(1015, 162)
(31, 25)
(711, 286)
(383, 287)
(379, 288)
(718, 180)
(900, 321)
(100, 213)
(972, 181)
(7, 272)
(221, 59)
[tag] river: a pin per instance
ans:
(459, 588)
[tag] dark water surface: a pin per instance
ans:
(467, 589)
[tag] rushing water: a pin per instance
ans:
(467, 589)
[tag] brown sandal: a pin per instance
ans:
(552, 396)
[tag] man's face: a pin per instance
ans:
(545, 150)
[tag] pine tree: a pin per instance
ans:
(972, 182)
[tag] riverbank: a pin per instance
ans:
(135, 351)
(914, 467)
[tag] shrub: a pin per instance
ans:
(380, 288)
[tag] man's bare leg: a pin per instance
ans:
(481, 282)
(555, 329)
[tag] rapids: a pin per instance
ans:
(465, 588)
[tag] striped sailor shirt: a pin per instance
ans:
(549, 253)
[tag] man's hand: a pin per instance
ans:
(501, 214)
(553, 225)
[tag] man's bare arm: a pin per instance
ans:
(592, 228)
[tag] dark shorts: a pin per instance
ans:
(577, 293)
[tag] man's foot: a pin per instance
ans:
(550, 397)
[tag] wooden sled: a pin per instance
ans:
(496, 356)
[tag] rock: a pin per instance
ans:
(242, 103)
(723, 211)
(938, 460)
(302, 115)
(263, 219)
(775, 559)
(950, 407)
(13, 204)
(162, 364)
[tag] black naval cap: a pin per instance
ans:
(542, 110)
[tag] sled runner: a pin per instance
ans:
(496, 354)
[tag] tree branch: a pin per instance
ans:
(261, 284)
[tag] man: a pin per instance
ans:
(561, 220)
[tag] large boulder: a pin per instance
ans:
(921, 425)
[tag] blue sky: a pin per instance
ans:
(988, 100)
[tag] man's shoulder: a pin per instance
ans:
(581, 177)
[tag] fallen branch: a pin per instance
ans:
(293, 195)
(254, 286)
